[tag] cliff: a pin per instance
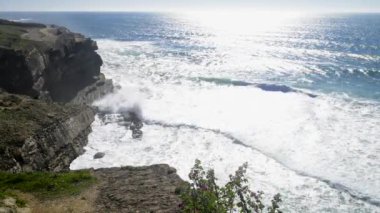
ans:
(50, 63)
(41, 136)
(47, 76)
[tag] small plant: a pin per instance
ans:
(204, 195)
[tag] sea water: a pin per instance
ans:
(296, 96)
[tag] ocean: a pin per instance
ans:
(296, 96)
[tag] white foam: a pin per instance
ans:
(326, 137)
(179, 147)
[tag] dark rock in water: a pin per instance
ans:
(136, 126)
(137, 134)
(138, 189)
(50, 62)
(99, 155)
(133, 116)
(41, 136)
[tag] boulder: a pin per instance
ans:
(99, 155)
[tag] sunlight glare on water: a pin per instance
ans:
(293, 91)
(240, 22)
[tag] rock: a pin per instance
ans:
(7, 210)
(60, 72)
(94, 91)
(138, 189)
(9, 202)
(99, 155)
(9, 205)
(50, 63)
(137, 134)
(136, 123)
(41, 136)
(44, 125)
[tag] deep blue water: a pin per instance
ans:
(347, 60)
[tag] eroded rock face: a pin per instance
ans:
(41, 136)
(49, 62)
(138, 189)
(60, 72)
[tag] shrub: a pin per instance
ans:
(204, 195)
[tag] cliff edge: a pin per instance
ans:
(48, 77)
(50, 63)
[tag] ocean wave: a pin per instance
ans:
(22, 20)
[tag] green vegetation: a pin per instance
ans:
(11, 37)
(204, 195)
(45, 184)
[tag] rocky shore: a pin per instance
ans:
(49, 77)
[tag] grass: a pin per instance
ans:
(10, 37)
(45, 185)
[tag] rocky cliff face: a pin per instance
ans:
(41, 136)
(60, 72)
(48, 76)
(50, 63)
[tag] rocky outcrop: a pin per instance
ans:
(92, 92)
(138, 189)
(54, 74)
(41, 136)
(50, 63)
(60, 72)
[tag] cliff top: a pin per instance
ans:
(24, 36)
(51, 65)
(46, 61)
